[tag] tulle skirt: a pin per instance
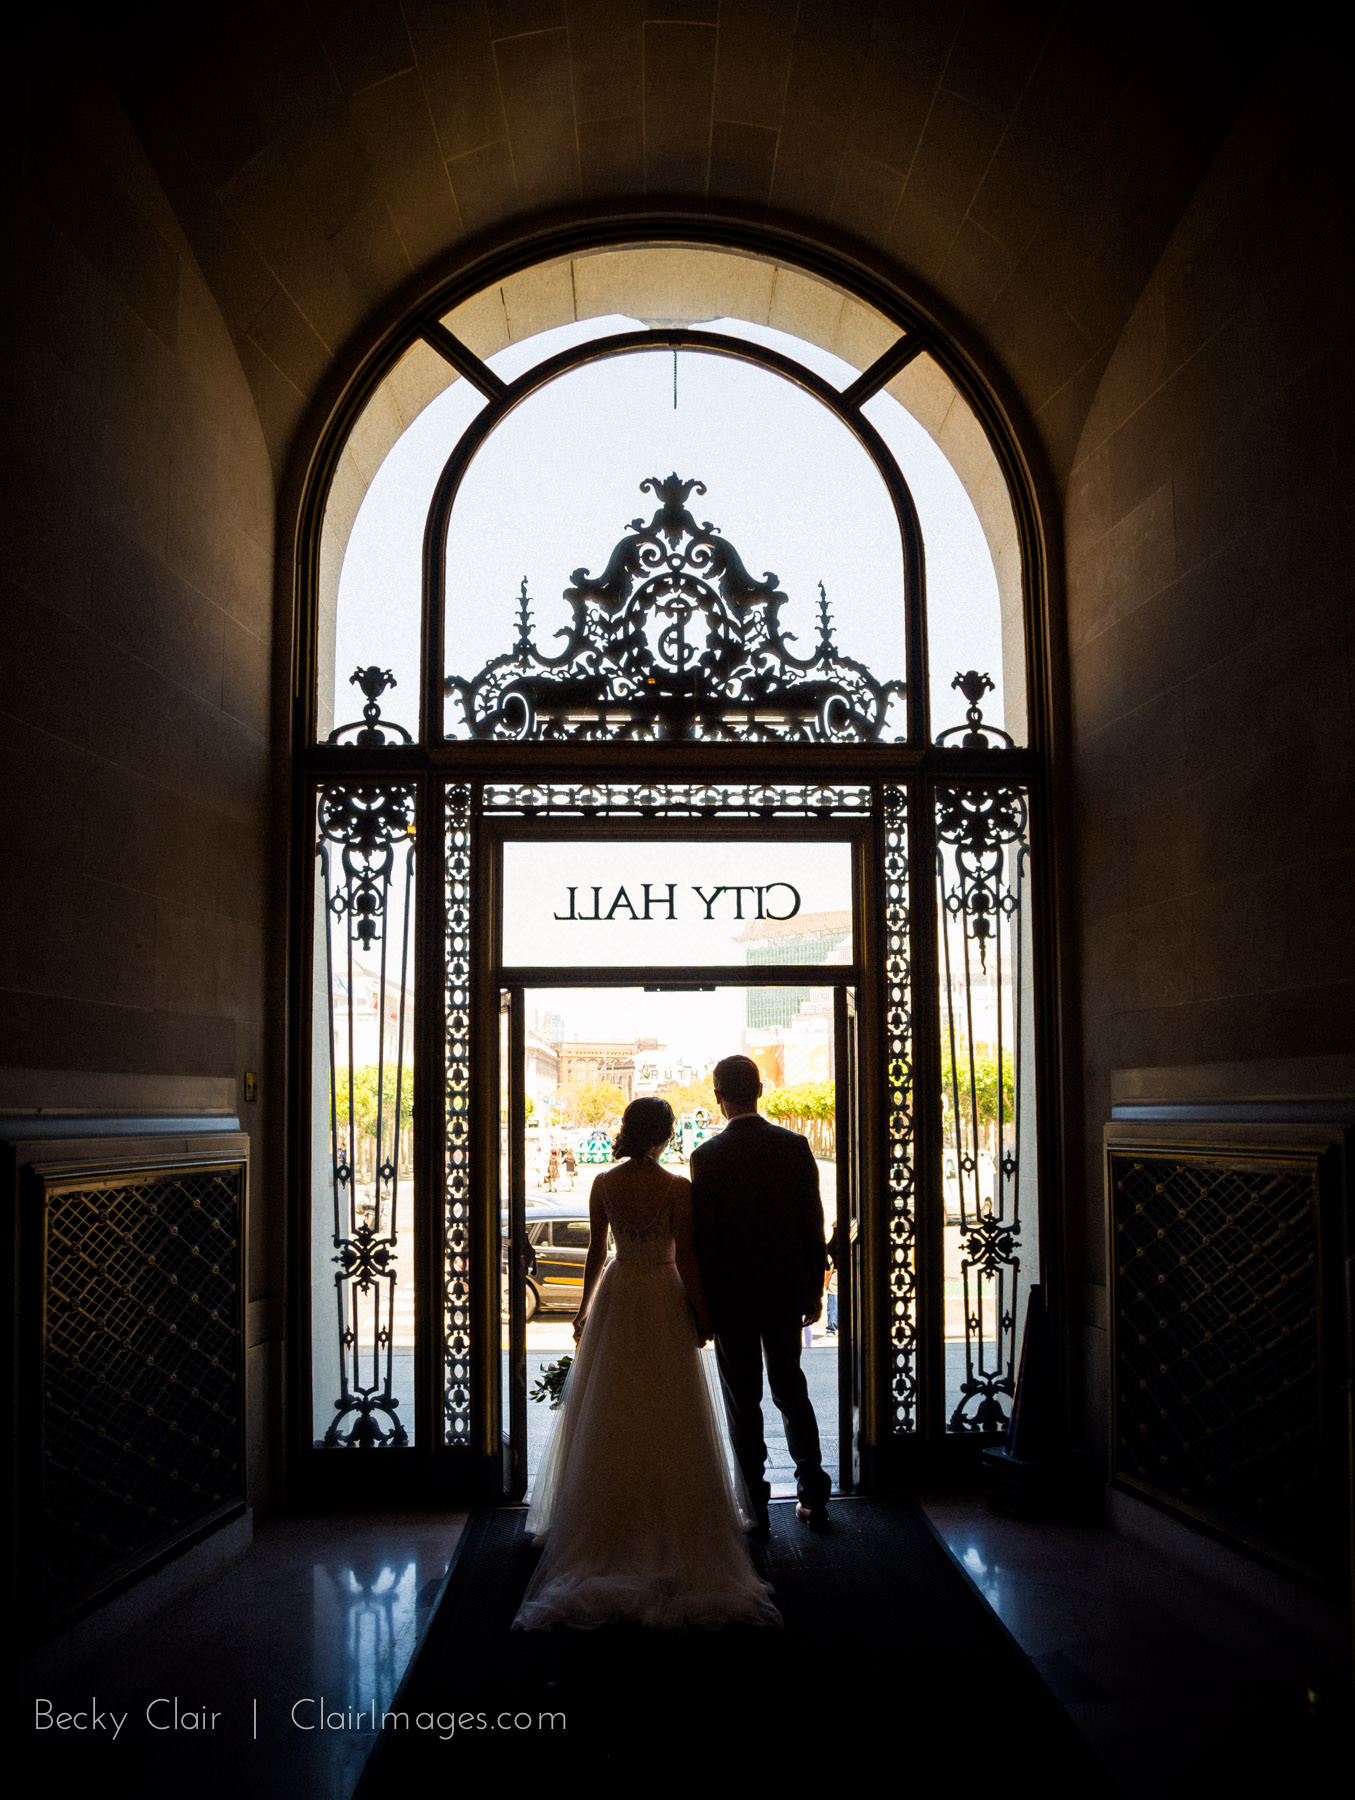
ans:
(634, 1498)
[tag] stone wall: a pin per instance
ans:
(1210, 642)
(137, 648)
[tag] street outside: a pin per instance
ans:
(551, 1336)
(549, 1339)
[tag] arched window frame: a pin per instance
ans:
(658, 342)
(924, 766)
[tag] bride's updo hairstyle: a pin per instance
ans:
(644, 1124)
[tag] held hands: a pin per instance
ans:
(813, 1317)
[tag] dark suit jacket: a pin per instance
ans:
(757, 1220)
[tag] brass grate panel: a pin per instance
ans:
(1217, 1341)
(142, 1390)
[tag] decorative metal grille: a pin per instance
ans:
(604, 800)
(366, 856)
(142, 1402)
(1217, 1340)
(756, 801)
(371, 731)
(902, 1221)
(974, 734)
(457, 1199)
(699, 800)
(981, 868)
(675, 640)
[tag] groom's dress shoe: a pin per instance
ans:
(816, 1517)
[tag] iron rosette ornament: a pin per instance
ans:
(674, 640)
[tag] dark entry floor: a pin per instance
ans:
(1179, 1686)
(886, 1651)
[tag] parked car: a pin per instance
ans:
(557, 1248)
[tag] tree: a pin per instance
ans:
(980, 1068)
(590, 1103)
(364, 1092)
(685, 1097)
(803, 1100)
(809, 1107)
(367, 1153)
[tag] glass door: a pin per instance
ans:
(572, 1057)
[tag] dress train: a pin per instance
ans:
(634, 1498)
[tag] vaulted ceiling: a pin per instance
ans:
(1017, 167)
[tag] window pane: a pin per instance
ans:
(543, 509)
(362, 1242)
(991, 1247)
(524, 318)
(969, 540)
(486, 329)
(372, 544)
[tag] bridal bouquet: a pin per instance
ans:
(551, 1383)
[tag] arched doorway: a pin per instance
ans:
(674, 708)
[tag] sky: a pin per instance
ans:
(555, 487)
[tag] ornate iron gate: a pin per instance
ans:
(674, 645)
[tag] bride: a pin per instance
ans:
(633, 1499)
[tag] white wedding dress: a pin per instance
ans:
(634, 1498)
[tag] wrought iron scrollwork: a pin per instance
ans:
(675, 639)
(982, 860)
(900, 1171)
(367, 968)
(981, 823)
(371, 731)
(457, 815)
(974, 734)
(366, 824)
(671, 800)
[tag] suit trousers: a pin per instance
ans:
(740, 1346)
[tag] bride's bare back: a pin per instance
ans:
(639, 1197)
(649, 1213)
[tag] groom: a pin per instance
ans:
(757, 1230)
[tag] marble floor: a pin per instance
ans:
(293, 1644)
(1179, 1684)
(263, 1678)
